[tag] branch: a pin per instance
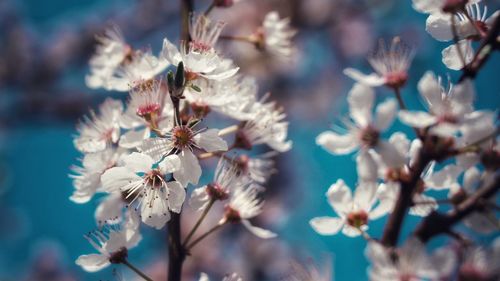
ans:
(489, 44)
(404, 201)
(437, 223)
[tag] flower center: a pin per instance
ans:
(447, 118)
(148, 110)
(396, 79)
(118, 256)
(200, 110)
(216, 191)
(128, 55)
(232, 215)
(154, 179)
(242, 141)
(182, 137)
(200, 47)
(369, 136)
(357, 219)
(469, 272)
(242, 163)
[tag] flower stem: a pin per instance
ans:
(204, 235)
(198, 223)
(228, 130)
(136, 270)
(237, 38)
(401, 103)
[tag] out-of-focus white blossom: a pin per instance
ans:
(112, 243)
(364, 131)
(229, 277)
(98, 131)
(244, 204)
(391, 64)
(354, 212)
(410, 262)
(275, 35)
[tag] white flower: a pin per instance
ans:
(97, 132)
(259, 168)
(481, 264)
(116, 66)
(354, 212)
(112, 243)
(149, 107)
(87, 179)
(145, 182)
(437, 6)
(309, 272)
(220, 96)
(410, 262)
(484, 221)
(244, 204)
(226, 178)
(110, 209)
(183, 139)
(391, 66)
(204, 33)
(439, 25)
(451, 56)
(449, 110)
(229, 277)
(199, 57)
(111, 52)
(266, 127)
(275, 36)
(365, 131)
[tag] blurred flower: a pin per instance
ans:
(112, 243)
(274, 36)
(98, 132)
(391, 66)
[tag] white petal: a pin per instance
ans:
(154, 209)
(203, 277)
(471, 179)
(170, 164)
(210, 141)
(430, 89)
(118, 178)
(132, 138)
(199, 198)
(428, 6)
(417, 119)
(170, 52)
(350, 231)
(138, 162)
(451, 57)
(463, 93)
(337, 144)
(110, 209)
(360, 99)
(364, 195)
(444, 178)
(190, 170)
(438, 25)
(176, 196)
(366, 166)
(372, 79)
(340, 197)
(384, 116)
(92, 262)
(257, 231)
(156, 148)
(326, 225)
(390, 155)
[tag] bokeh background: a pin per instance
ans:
(44, 49)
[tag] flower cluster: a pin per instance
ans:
(144, 155)
(454, 149)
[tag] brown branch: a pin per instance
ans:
(176, 252)
(488, 45)
(437, 223)
(404, 201)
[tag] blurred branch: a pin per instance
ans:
(437, 223)
(489, 44)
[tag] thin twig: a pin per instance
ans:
(198, 223)
(204, 235)
(136, 270)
